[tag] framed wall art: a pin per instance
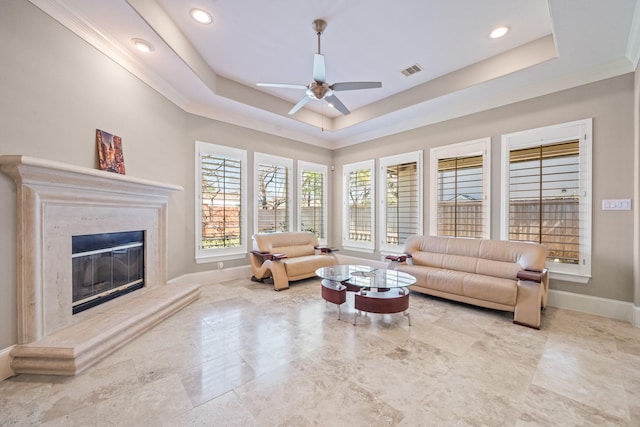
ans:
(110, 152)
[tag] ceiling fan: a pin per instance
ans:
(319, 88)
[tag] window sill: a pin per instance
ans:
(569, 277)
(357, 249)
(203, 259)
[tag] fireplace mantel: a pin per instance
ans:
(34, 171)
(56, 201)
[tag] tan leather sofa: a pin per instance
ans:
(496, 274)
(288, 257)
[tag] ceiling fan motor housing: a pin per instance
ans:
(319, 90)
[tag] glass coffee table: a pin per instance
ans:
(377, 290)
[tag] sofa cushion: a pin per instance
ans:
(443, 252)
(466, 264)
(463, 246)
(435, 278)
(304, 265)
(446, 280)
(275, 242)
(505, 270)
(294, 251)
(427, 259)
(431, 244)
(529, 256)
(487, 288)
(417, 271)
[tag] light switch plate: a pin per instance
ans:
(616, 204)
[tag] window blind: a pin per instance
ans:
(460, 190)
(273, 198)
(312, 203)
(402, 199)
(221, 188)
(359, 203)
(544, 198)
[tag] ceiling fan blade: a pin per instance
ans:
(282, 85)
(319, 70)
(299, 105)
(355, 85)
(333, 100)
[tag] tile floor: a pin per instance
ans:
(244, 355)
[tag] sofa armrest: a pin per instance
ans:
(531, 275)
(394, 260)
(398, 258)
(268, 255)
(325, 249)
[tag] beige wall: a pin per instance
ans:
(609, 103)
(636, 194)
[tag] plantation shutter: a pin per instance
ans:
(402, 210)
(359, 204)
(460, 190)
(221, 189)
(544, 198)
(312, 203)
(273, 198)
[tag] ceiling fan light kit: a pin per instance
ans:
(319, 89)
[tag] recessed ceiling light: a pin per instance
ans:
(201, 16)
(499, 32)
(142, 45)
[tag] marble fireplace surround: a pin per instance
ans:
(56, 201)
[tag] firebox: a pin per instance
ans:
(106, 266)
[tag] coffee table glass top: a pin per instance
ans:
(366, 277)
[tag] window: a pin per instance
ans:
(547, 188)
(359, 209)
(460, 184)
(273, 193)
(312, 202)
(220, 202)
(401, 204)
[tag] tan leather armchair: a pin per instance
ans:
(288, 256)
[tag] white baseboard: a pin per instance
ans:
(613, 309)
(211, 276)
(5, 363)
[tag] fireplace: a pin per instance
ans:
(105, 266)
(55, 203)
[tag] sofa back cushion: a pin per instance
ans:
(443, 252)
(292, 244)
(496, 258)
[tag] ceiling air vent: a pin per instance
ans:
(416, 68)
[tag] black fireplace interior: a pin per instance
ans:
(106, 266)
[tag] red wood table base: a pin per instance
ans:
(387, 301)
(334, 292)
